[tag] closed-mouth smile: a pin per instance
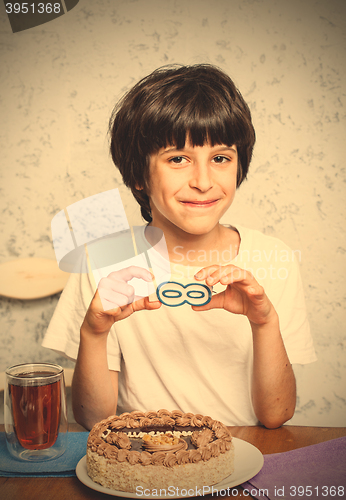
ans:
(199, 203)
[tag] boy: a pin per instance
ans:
(182, 139)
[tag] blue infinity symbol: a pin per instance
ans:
(195, 294)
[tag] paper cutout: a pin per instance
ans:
(174, 294)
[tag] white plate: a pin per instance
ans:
(247, 463)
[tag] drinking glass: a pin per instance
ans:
(35, 411)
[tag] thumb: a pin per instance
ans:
(216, 302)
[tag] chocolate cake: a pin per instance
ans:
(136, 451)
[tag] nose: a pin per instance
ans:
(201, 177)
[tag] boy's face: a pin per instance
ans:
(192, 188)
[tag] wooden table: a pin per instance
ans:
(70, 488)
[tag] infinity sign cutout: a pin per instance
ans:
(174, 294)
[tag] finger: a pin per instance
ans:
(205, 272)
(214, 274)
(116, 298)
(256, 293)
(216, 302)
(239, 276)
(226, 275)
(109, 306)
(128, 273)
(116, 286)
(144, 303)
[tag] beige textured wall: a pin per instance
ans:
(60, 80)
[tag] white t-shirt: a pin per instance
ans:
(178, 358)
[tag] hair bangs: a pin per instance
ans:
(199, 119)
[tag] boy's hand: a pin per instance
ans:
(115, 300)
(243, 294)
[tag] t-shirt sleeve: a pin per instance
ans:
(288, 298)
(63, 332)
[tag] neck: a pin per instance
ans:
(218, 246)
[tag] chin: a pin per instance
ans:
(188, 224)
(197, 229)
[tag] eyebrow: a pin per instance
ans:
(173, 148)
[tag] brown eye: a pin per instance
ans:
(220, 159)
(177, 160)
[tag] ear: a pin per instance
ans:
(138, 187)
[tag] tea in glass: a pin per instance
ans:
(35, 411)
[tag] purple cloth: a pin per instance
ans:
(313, 472)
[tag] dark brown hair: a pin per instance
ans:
(175, 102)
